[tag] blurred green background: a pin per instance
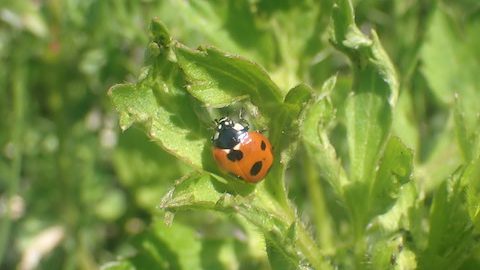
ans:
(75, 192)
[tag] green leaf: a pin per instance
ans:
(279, 258)
(314, 132)
(197, 191)
(233, 26)
(395, 170)
(399, 215)
(470, 179)
(146, 170)
(368, 111)
(284, 134)
(202, 192)
(443, 158)
(392, 253)
(368, 124)
(159, 33)
(450, 237)
(407, 259)
(467, 135)
(139, 103)
(320, 160)
(459, 84)
(446, 48)
(288, 119)
(160, 102)
(297, 29)
(404, 124)
(374, 92)
(218, 79)
(163, 247)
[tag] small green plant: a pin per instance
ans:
(387, 225)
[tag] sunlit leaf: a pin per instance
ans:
(395, 170)
(374, 92)
(138, 103)
(219, 79)
(314, 135)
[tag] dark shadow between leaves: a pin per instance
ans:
(210, 254)
(181, 108)
(208, 163)
(146, 260)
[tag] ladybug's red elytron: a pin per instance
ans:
(245, 154)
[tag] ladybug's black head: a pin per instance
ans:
(228, 133)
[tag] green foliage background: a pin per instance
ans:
(371, 107)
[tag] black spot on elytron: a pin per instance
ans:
(263, 146)
(235, 155)
(256, 168)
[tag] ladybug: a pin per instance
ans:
(245, 154)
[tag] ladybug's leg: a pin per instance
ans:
(245, 125)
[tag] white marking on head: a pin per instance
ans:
(226, 151)
(238, 127)
(215, 137)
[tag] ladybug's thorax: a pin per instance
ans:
(228, 134)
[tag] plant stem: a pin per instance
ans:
(310, 249)
(320, 214)
(18, 92)
(304, 240)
